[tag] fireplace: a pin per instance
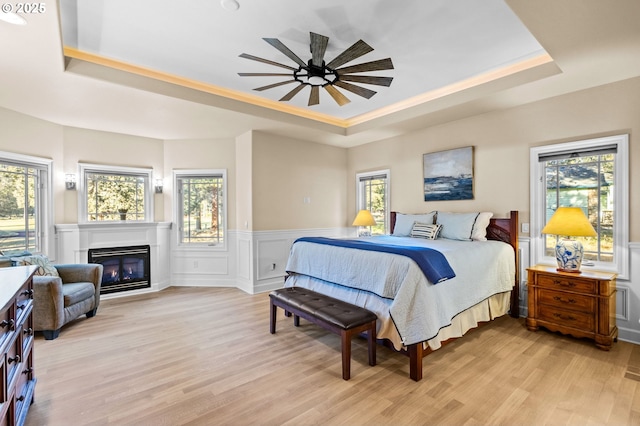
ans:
(125, 268)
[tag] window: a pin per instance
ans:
(592, 175)
(201, 207)
(112, 193)
(24, 203)
(373, 195)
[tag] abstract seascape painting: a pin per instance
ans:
(448, 175)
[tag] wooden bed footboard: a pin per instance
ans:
(499, 229)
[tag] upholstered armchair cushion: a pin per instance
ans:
(59, 300)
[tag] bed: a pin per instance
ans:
(415, 315)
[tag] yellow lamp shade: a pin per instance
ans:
(364, 218)
(569, 221)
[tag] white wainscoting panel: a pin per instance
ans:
(272, 247)
(628, 300)
(204, 266)
(524, 244)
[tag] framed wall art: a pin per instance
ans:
(448, 175)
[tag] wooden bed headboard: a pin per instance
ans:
(499, 229)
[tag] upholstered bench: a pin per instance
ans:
(331, 314)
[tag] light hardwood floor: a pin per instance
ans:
(205, 357)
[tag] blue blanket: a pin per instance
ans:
(432, 263)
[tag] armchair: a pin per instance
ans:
(59, 300)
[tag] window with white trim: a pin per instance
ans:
(24, 202)
(373, 195)
(113, 193)
(201, 207)
(593, 175)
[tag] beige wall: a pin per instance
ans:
(22, 134)
(274, 174)
(502, 140)
(244, 173)
(199, 154)
(112, 149)
(288, 171)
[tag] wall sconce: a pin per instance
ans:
(70, 181)
(158, 186)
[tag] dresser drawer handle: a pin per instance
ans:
(27, 370)
(28, 331)
(20, 398)
(15, 359)
(564, 283)
(560, 299)
(564, 317)
(28, 292)
(11, 323)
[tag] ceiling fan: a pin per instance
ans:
(315, 73)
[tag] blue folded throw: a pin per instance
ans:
(432, 263)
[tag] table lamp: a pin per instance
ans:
(364, 218)
(569, 222)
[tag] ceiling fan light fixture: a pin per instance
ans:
(316, 73)
(230, 5)
(12, 18)
(315, 80)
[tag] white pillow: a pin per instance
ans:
(404, 222)
(479, 232)
(429, 231)
(457, 226)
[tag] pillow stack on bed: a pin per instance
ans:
(437, 224)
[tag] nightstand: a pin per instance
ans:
(582, 305)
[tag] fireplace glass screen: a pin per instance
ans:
(125, 268)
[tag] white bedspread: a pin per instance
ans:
(418, 308)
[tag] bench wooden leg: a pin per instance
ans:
(272, 319)
(345, 336)
(296, 320)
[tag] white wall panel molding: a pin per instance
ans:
(628, 299)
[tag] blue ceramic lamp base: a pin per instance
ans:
(569, 255)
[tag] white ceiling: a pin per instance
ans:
(168, 70)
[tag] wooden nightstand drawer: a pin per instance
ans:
(567, 284)
(583, 305)
(566, 300)
(580, 320)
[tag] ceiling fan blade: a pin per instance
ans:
(336, 95)
(381, 64)
(263, 74)
(361, 91)
(358, 49)
(318, 47)
(266, 61)
(314, 97)
(284, 49)
(292, 93)
(271, 86)
(368, 79)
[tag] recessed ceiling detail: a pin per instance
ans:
(316, 73)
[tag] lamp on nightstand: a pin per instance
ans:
(364, 218)
(569, 222)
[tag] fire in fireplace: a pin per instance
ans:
(125, 268)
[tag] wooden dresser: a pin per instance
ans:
(582, 305)
(16, 343)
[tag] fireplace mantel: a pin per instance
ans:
(110, 225)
